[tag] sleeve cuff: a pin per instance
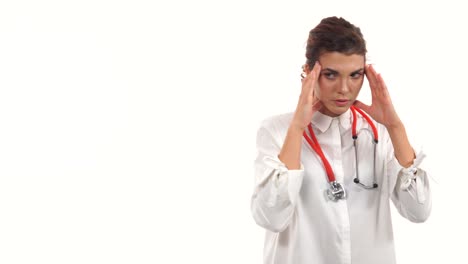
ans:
(413, 179)
(408, 175)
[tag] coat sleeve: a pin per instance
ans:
(409, 187)
(276, 188)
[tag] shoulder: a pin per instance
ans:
(277, 123)
(273, 129)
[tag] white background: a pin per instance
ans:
(127, 128)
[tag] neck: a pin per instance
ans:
(327, 112)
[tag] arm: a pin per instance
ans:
(278, 171)
(410, 189)
(308, 103)
(276, 187)
(403, 150)
(411, 195)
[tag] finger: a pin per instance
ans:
(314, 74)
(306, 84)
(317, 67)
(362, 105)
(372, 74)
(310, 85)
(372, 78)
(382, 85)
(307, 74)
(368, 74)
(315, 98)
(316, 70)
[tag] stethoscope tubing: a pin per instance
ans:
(357, 179)
(337, 191)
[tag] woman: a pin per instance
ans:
(320, 198)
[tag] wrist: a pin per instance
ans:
(396, 126)
(296, 129)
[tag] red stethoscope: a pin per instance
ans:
(337, 190)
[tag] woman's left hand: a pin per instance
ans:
(381, 109)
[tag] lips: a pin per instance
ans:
(341, 102)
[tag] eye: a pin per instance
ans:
(329, 75)
(356, 75)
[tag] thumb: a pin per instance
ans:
(362, 105)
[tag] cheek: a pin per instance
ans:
(321, 91)
(356, 87)
(318, 93)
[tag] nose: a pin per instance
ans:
(343, 86)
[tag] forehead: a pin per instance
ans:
(341, 62)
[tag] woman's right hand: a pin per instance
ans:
(308, 102)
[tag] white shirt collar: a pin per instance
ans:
(323, 122)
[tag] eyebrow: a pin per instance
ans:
(335, 72)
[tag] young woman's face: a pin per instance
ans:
(340, 81)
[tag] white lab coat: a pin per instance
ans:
(303, 226)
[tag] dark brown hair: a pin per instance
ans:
(334, 34)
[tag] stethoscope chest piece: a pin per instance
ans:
(336, 191)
